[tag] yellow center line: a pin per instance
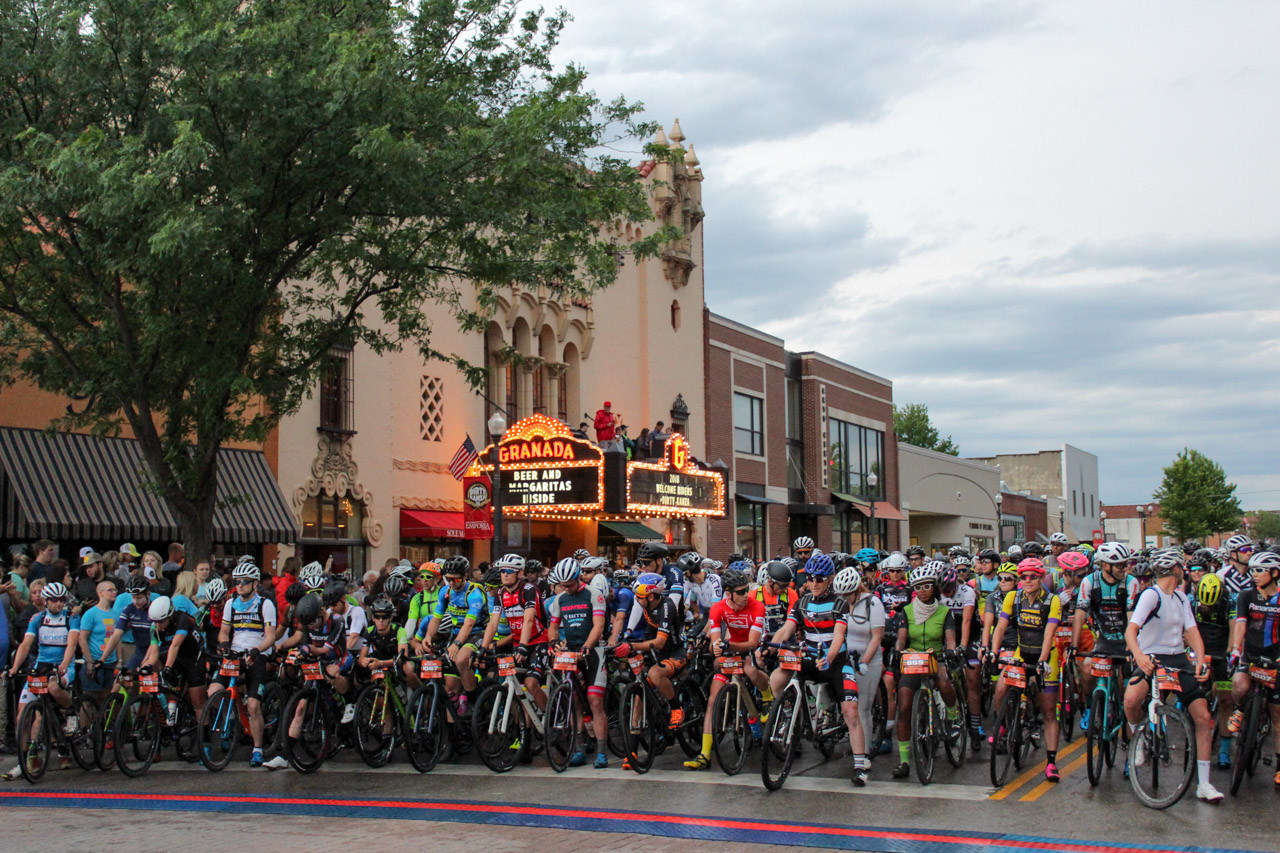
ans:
(1031, 773)
(1039, 790)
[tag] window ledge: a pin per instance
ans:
(336, 431)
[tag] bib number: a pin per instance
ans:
(506, 666)
(566, 661)
(149, 683)
(731, 665)
(918, 663)
(311, 670)
(432, 669)
(789, 660)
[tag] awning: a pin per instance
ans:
(756, 499)
(884, 509)
(631, 531)
(72, 486)
(433, 524)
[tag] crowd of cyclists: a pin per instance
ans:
(896, 653)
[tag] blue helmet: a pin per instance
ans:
(742, 566)
(819, 566)
(867, 555)
(648, 583)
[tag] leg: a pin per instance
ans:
(465, 672)
(254, 708)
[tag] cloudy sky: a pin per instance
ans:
(1054, 221)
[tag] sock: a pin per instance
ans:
(953, 712)
(766, 695)
(1133, 730)
(890, 724)
(904, 751)
(860, 761)
(674, 702)
(706, 745)
(1051, 756)
(975, 721)
(1202, 769)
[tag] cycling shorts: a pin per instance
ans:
(1273, 698)
(253, 679)
(672, 663)
(192, 671)
(1050, 680)
(596, 671)
(537, 662)
(1191, 688)
(839, 677)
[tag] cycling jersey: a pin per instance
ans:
(135, 622)
(1107, 605)
(984, 585)
(776, 608)
(1214, 624)
(894, 595)
(52, 634)
(324, 638)
(383, 646)
(931, 633)
(994, 602)
(623, 600)
(963, 597)
(674, 579)
(511, 602)
(1032, 617)
(421, 604)
(573, 614)
(738, 624)
(1162, 620)
(470, 602)
(816, 617)
(707, 593)
(1261, 615)
(1235, 580)
(249, 620)
(180, 625)
(665, 620)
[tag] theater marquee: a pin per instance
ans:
(543, 468)
(675, 486)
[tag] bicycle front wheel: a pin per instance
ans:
(1242, 761)
(561, 726)
(426, 729)
(219, 731)
(104, 728)
(924, 737)
(376, 725)
(309, 749)
(1170, 758)
(35, 739)
(138, 734)
(1067, 702)
(780, 739)
(496, 728)
(730, 729)
(1095, 739)
(638, 730)
(1002, 741)
(84, 740)
(694, 702)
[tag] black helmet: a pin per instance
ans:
(137, 584)
(382, 606)
(1200, 559)
(393, 586)
(651, 551)
(533, 567)
(914, 551)
(1032, 549)
(1191, 546)
(690, 561)
(990, 554)
(294, 592)
(779, 572)
(457, 565)
(493, 577)
(308, 609)
(334, 592)
(734, 579)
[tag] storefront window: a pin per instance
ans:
(332, 531)
(749, 539)
(1013, 528)
(856, 452)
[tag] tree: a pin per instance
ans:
(1266, 526)
(199, 200)
(1195, 498)
(911, 424)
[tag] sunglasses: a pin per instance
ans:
(381, 618)
(1029, 577)
(508, 571)
(929, 585)
(897, 570)
(1247, 549)
(1007, 578)
(742, 591)
(244, 582)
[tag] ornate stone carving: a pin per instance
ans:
(436, 504)
(334, 473)
(420, 465)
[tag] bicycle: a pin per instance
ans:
(731, 716)
(506, 719)
(1167, 738)
(224, 720)
(380, 715)
(1069, 699)
(157, 711)
(104, 727)
(929, 724)
(317, 738)
(645, 718)
(43, 723)
(801, 710)
(1251, 740)
(428, 728)
(1106, 716)
(1017, 726)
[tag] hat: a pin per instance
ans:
(130, 549)
(607, 404)
(91, 558)
(150, 572)
(85, 550)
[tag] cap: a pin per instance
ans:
(150, 572)
(91, 557)
(130, 549)
(608, 405)
(85, 550)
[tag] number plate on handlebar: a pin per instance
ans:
(566, 661)
(230, 668)
(1100, 667)
(636, 663)
(731, 665)
(311, 670)
(377, 674)
(149, 683)
(1015, 676)
(38, 685)
(1063, 634)
(1167, 679)
(918, 663)
(789, 659)
(1257, 673)
(506, 666)
(1007, 656)
(432, 669)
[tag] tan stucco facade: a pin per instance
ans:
(947, 501)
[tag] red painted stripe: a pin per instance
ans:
(547, 811)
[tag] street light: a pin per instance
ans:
(999, 499)
(1142, 515)
(872, 480)
(1102, 517)
(497, 427)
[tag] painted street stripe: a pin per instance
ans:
(1032, 772)
(1046, 786)
(864, 838)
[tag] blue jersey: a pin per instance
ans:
(623, 600)
(674, 581)
(182, 604)
(136, 623)
(98, 624)
(468, 602)
(52, 634)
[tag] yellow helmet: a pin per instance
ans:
(1209, 592)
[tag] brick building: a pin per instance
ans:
(1023, 518)
(808, 442)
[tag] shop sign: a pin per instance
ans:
(543, 468)
(674, 486)
(476, 497)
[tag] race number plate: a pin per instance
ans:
(292, 657)
(1063, 634)
(1167, 679)
(432, 669)
(1008, 656)
(1015, 676)
(378, 674)
(149, 683)
(637, 664)
(506, 666)
(731, 665)
(1257, 673)
(918, 663)
(1100, 667)
(38, 684)
(230, 668)
(789, 659)
(311, 670)
(566, 661)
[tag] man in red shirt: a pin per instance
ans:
(735, 626)
(606, 424)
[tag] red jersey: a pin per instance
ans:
(513, 604)
(738, 623)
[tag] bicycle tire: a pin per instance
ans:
(638, 728)
(1242, 761)
(780, 739)
(694, 702)
(730, 731)
(1028, 731)
(372, 710)
(1067, 703)
(612, 706)
(494, 735)
(307, 752)
(1095, 739)
(1001, 746)
(82, 742)
(560, 726)
(104, 744)
(185, 737)
(426, 728)
(137, 734)
(1171, 740)
(272, 704)
(35, 740)
(957, 747)
(924, 735)
(218, 733)
(1119, 729)
(879, 719)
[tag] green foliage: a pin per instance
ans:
(199, 200)
(1267, 526)
(912, 425)
(1195, 498)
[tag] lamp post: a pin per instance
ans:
(497, 427)
(872, 480)
(1102, 518)
(999, 499)
(1142, 516)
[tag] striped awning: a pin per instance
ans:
(82, 487)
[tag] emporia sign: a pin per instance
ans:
(544, 468)
(675, 486)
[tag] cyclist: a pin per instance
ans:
(1073, 566)
(131, 618)
(926, 625)
(621, 603)
(963, 564)
(1140, 570)
(1058, 545)
(316, 634)
(174, 636)
(249, 628)
(1160, 631)
(1106, 600)
(802, 549)
(210, 618)
(651, 559)
(915, 557)
(519, 604)
(703, 588)
(1214, 618)
(1035, 613)
(384, 641)
(866, 559)
(962, 601)
(577, 620)
(468, 607)
(54, 633)
(1256, 633)
(985, 565)
(398, 591)
(1006, 581)
(1235, 571)
(735, 626)
(865, 635)
(664, 635)
(423, 600)
(894, 594)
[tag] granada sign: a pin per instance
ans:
(543, 468)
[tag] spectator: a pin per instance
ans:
(203, 572)
(365, 591)
(44, 551)
(177, 556)
(151, 569)
(641, 444)
(580, 431)
(18, 577)
(128, 553)
(286, 575)
(85, 589)
(59, 572)
(110, 567)
(184, 594)
(606, 424)
(627, 444)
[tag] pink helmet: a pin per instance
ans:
(1073, 561)
(1032, 564)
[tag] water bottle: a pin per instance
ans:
(172, 713)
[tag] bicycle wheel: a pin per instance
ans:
(780, 739)
(496, 728)
(309, 749)
(1028, 731)
(1095, 746)
(879, 719)
(638, 727)
(561, 726)
(1002, 744)
(694, 702)
(1242, 761)
(376, 725)
(1067, 702)
(185, 739)
(104, 743)
(218, 733)
(924, 737)
(138, 734)
(1170, 758)
(426, 728)
(955, 738)
(82, 742)
(272, 702)
(35, 740)
(730, 731)
(612, 709)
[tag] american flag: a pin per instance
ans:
(462, 459)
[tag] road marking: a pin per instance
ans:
(811, 784)
(1031, 773)
(1045, 786)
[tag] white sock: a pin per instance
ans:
(1202, 767)
(1133, 730)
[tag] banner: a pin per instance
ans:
(477, 497)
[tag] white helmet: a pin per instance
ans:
(312, 569)
(1265, 560)
(1235, 543)
(215, 589)
(846, 581)
(1059, 539)
(245, 571)
(566, 570)
(927, 573)
(894, 561)
(1113, 553)
(161, 608)
(595, 564)
(510, 561)
(762, 576)
(802, 543)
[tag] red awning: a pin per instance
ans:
(432, 524)
(884, 509)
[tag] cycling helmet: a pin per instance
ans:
(1008, 569)
(1191, 546)
(955, 550)
(54, 590)
(533, 567)
(215, 589)
(1222, 555)
(846, 581)
(802, 543)
(135, 585)
(456, 566)
(595, 564)
(294, 593)
(1113, 553)
(927, 573)
(565, 571)
(313, 583)
(245, 571)
(651, 551)
(1033, 565)
(893, 561)
(1058, 539)
(510, 561)
(1235, 543)
(309, 609)
(393, 586)
(868, 556)
(762, 575)
(649, 583)
(1073, 561)
(1032, 549)
(819, 566)
(310, 570)
(990, 554)
(382, 606)
(492, 578)
(735, 578)
(160, 609)
(791, 563)
(402, 572)
(962, 561)
(948, 577)
(780, 572)
(1141, 568)
(1200, 560)
(581, 554)
(429, 569)
(248, 559)
(1209, 590)
(1015, 553)
(914, 551)
(1260, 560)
(334, 593)
(1165, 563)
(623, 577)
